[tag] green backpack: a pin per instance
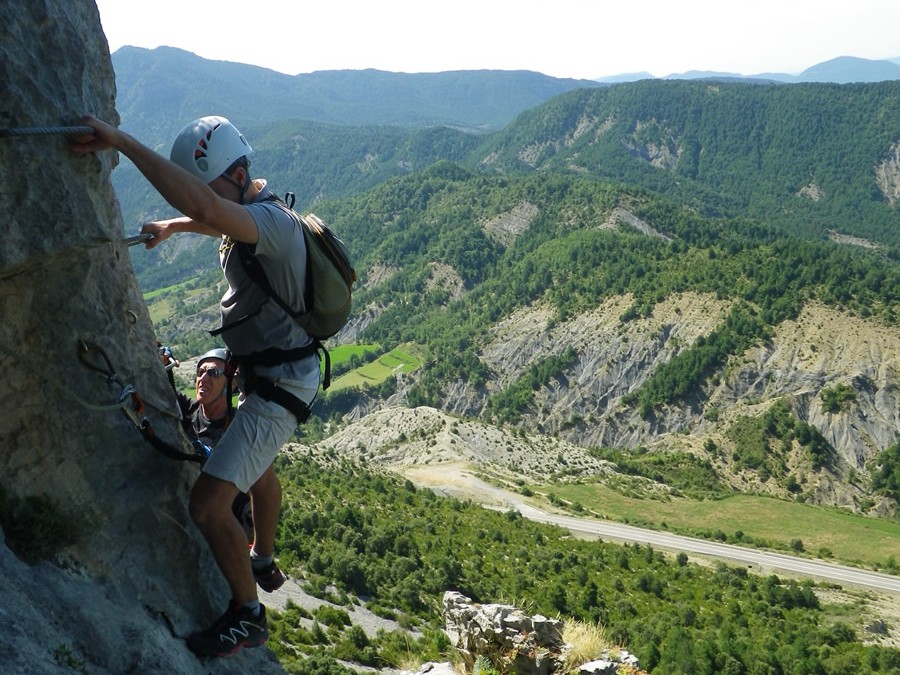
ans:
(327, 289)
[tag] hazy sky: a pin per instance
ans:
(562, 38)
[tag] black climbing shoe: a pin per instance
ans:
(269, 578)
(235, 629)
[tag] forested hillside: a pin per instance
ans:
(358, 534)
(806, 159)
(658, 198)
(814, 160)
(570, 253)
(323, 134)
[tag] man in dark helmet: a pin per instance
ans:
(206, 418)
(207, 178)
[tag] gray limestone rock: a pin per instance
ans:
(110, 574)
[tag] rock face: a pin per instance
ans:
(821, 349)
(807, 359)
(506, 636)
(887, 175)
(134, 575)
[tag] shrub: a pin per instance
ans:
(36, 528)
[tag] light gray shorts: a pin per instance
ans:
(257, 433)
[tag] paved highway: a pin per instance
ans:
(466, 485)
(760, 560)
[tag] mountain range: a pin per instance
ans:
(186, 86)
(839, 70)
(654, 264)
(393, 124)
(162, 84)
(656, 302)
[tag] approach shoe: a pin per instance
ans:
(269, 578)
(236, 628)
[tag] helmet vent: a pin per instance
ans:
(200, 152)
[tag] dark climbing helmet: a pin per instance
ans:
(219, 353)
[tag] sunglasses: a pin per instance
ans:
(214, 373)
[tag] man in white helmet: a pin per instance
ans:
(207, 179)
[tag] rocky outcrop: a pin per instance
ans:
(514, 642)
(655, 143)
(887, 175)
(505, 636)
(622, 215)
(400, 437)
(100, 567)
(507, 227)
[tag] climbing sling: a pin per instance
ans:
(94, 357)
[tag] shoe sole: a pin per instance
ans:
(271, 588)
(271, 585)
(238, 647)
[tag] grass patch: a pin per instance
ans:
(403, 359)
(152, 295)
(849, 537)
(682, 471)
(166, 303)
(343, 354)
(587, 642)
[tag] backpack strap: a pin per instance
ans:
(270, 391)
(266, 387)
(257, 274)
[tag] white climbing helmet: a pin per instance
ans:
(208, 146)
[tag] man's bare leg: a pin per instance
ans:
(265, 498)
(210, 508)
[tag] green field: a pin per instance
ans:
(403, 359)
(825, 532)
(161, 303)
(343, 353)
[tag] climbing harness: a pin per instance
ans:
(266, 387)
(44, 131)
(132, 405)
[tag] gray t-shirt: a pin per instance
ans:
(254, 322)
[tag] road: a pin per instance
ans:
(466, 485)
(761, 561)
